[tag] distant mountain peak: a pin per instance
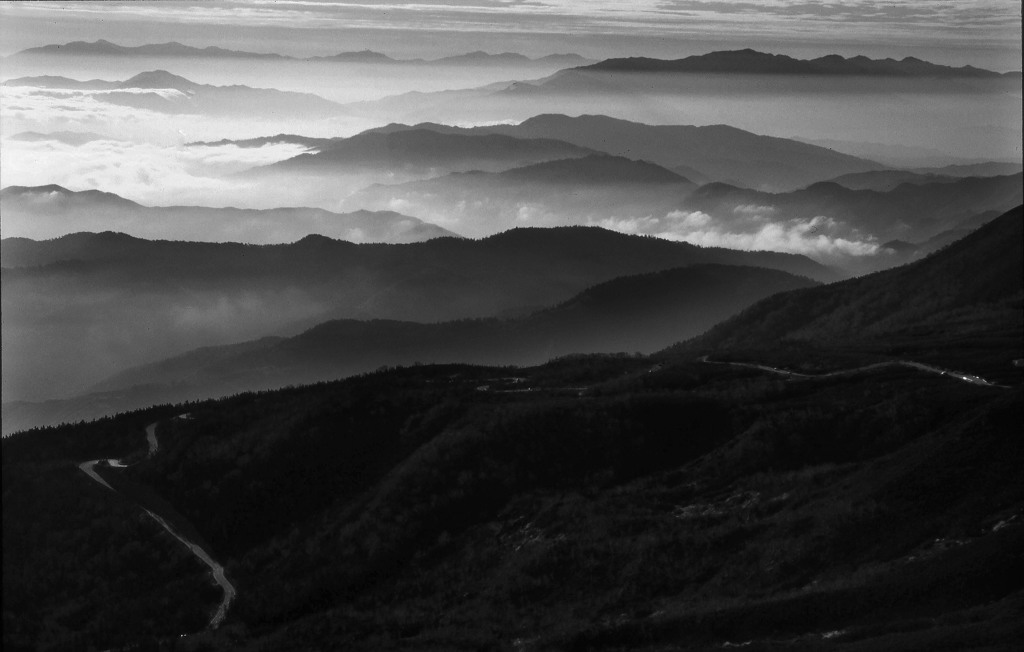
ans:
(65, 194)
(159, 79)
(31, 190)
(168, 49)
(176, 49)
(361, 56)
(482, 54)
(749, 61)
(317, 240)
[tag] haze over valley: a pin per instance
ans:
(522, 326)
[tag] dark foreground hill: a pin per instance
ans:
(593, 503)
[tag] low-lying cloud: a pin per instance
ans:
(822, 238)
(147, 173)
(27, 108)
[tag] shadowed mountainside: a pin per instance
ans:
(85, 306)
(641, 313)
(969, 293)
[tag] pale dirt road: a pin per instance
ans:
(216, 569)
(955, 375)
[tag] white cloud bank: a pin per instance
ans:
(148, 173)
(822, 238)
(27, 108)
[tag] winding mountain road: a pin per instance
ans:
(955, 375)
(217, 570)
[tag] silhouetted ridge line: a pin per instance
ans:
(103, 47)
(753, 62)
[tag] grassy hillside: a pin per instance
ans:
(595, 503)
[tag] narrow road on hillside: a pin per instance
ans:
(229, 593)
(154, 445)
(955, 375)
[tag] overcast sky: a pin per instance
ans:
(986, 33)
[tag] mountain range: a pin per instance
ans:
(910, 211)
(425, 151)
(710, 153)
(85, 306)
(170, 93)
(175, 49)
(701, 154)
(46, 212)
(645, 198)
(746, 61)
(640, 313)
(171, 49)
(752, 62)
(73, 138)
(582, 401)
(885, 180)
(938, 300)
(836, 106)
(598, 189)
(610, 502)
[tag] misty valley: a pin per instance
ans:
(345, 349)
